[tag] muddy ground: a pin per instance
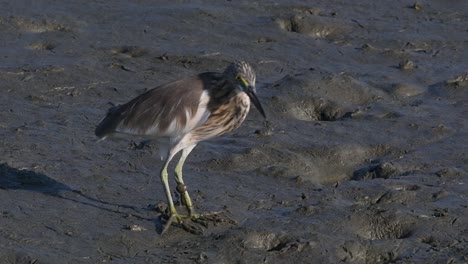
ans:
(363, 158)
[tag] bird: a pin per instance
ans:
(180, 114)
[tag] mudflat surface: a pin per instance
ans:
(363, 158)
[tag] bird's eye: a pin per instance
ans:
(242, 81)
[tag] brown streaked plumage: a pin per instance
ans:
(180, 114)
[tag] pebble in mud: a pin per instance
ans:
(406, 65)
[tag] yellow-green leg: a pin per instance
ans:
(167, 190)
(181, 188)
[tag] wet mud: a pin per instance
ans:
(363, 158)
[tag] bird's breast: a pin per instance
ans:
(224, 118)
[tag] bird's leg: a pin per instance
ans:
(172, 210)
(181, 187)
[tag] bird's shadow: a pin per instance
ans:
(28, 180)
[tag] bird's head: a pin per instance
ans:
(243, 76)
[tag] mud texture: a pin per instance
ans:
(363, 158)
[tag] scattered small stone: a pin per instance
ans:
(406, 65)
(163, 57)
(135, 228)
(299, 179)
(416, 6)
(367, 47)
(202, 258)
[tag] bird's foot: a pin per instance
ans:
(180, 221)
(195, 223)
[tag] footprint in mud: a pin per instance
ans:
(272, 242)
(377, 224)
(353, 251)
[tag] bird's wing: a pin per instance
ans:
(170, 110)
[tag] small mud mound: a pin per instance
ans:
(264, 241)
(318, 164)
(315, 26)
(403, 90)
(315, 109)
(382, 170)
(321, 96)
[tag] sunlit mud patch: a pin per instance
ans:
(321, 165)
(33, 25)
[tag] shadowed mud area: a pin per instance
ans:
(363, 158)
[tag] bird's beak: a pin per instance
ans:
(253, 97)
